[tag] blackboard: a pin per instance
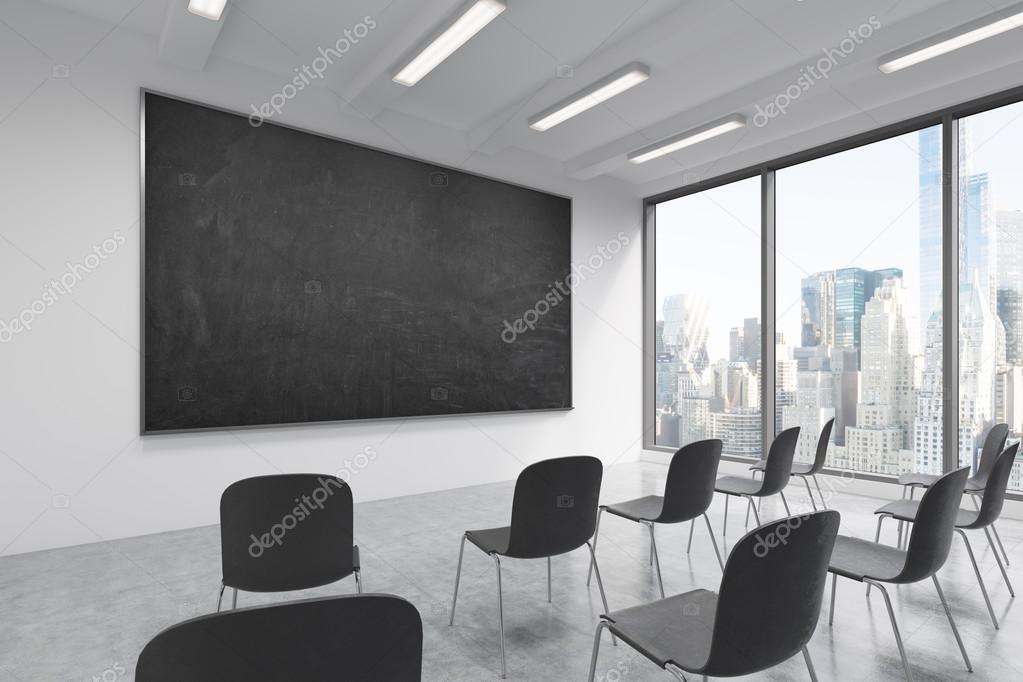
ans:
(293, 278)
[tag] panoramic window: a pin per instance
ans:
(990, 280)
(858, 304)
(707, 336)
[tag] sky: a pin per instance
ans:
(855, 209)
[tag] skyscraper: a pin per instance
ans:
(853, 288)
(1009, 283)
(685, 328)
(818, 309)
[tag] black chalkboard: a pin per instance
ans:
(294, 278)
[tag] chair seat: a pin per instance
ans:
(905, 510)
(759, 466)
(491, 540)
(859, 559)
(641, 509)
(737, 485)
(920, 480)
(802, 468)
(677, 629)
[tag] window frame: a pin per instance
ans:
(948, 118)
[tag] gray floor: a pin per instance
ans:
(85, 612)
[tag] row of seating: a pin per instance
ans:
(295, 531)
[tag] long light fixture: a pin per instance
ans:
(590, 96)
(210, 9)
(688, 138)
(949, 41)
(470, 21)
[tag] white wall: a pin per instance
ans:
(73, 468)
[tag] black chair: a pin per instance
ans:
(994, 444)
(688, 492)
(286, 532)
(990, 508)
(777, 471)
(765, 612)
(808, 470)
(366, 637)
(929, 543)
(554, 511)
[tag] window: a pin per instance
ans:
(858, 257)
(991, 280)
(707, 335)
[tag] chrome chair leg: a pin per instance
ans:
(809, 492)
(756, 514)
(831, 612)
(689, 547)
(601, 626)
(500, 614)
(600, 585)
(596, 529)
(358, 580)
(998, 539)
(677, 672)
(785, 502)
(234, 599)
(809, 665)
(877, 535)
(548, 580)
(895, 628)
(657, 560)
(1005, 576)
(724, 524)
(458, 575)
(749, 503)
(980, 580)
(710, 531)
(951, 621)
(817, 483)
(220, 597)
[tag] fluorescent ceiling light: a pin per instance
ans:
(590, 96)
(470, 22)
(210, 9)
(689, 138)
(943, 43)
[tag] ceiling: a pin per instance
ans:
(708, 58)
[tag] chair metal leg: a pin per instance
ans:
(500, 613)
(895, 628)
(756, 514)
(220, 597)
(600, 585)
(831, 612)
(898, 541)
(677, 672)
(596, 648)
(980, 580)
(951, 621)
(809, 492)
(785, 502)
(358, 580)
(689, 547)
(234, 599)
(809, 665)
(1005, 576)
(596, 529)
(657, 560)
(998, 539)
(710, 531)
(458, 575)
(877, 535)
(817, 483)
(724, 524)
(749, 503)
(548, 580)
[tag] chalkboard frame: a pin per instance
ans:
(143, 431)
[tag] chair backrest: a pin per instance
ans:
(771, 594)
(366, 637)
(778, 468)
(822, 446)
(692, 473)
(555, 506)
(994, 444)
(932, 532)
(286, 532)
(995, 487)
